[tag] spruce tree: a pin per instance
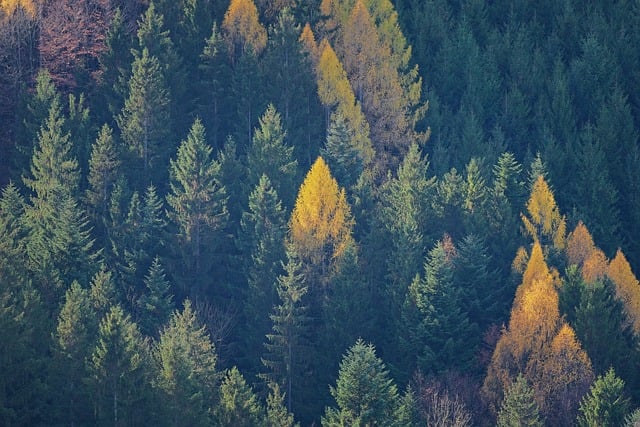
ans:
(519, 408)
(198, 209)
(238, 405)
(263, 232)
(156, 303)
(606, 404)
(365, 393)
(144, 121)
(286, 355)
(119, 371)
(186, 369)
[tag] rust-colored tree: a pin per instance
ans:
(627, 288)
(242, 30)
(72, 35)
(539, 344)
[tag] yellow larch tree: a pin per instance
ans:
(336, 94)
(627, 288)
(321, 224)
(309, 43)
(535, 343)
(242, 30)
(544, 223)
(10, 6)
(595, 267)
(580, 245)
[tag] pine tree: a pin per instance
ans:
(104, 169)
(365, 393)
(118, 366)
(156, 303)
(263, 232)
(606, 403)
(270, 155)
(519, 407)
(238, 405)
(285, 357)
(186, 369)
(75, 336)
(277, 413)
(103, 293)
(198, 208)
(438, 331)
(144, 121)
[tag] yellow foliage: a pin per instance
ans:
(544, 223)
(242, 29)
(10, 6)
(321, 222)
(595, 266)
(627, 288)
(580, 245)
(519, 263)
(309, 44)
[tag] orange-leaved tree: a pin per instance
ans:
(539, 344)
(321, 224)
(627, 288)
(242, 31)
(544, 223)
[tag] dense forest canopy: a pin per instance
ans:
(324, 212)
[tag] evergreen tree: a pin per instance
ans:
(270, 155)
(103, 293)
(439, 332)
(519, 407)
(286, 358)
(75, 337)
(606, 403)
(156, 303)
(365, 393)
(342, 157)
(264, 229)
(144, 121)
(104, 169)
(118, 366)
(198, 208)
(238, 405)
(277, 413)
(186, 369)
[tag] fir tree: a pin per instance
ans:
(238, 405)
(186, 369)
(156, 303)
(198, 208)
(606, 403)
(519, 407)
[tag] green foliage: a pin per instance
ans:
(606, 403)
(144, 121)
(186, 361)
(365, 394)
(238, 405)
(119, 370)
(519, 407)
(156, 303)
(198, 208)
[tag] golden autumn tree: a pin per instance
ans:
(336, 94)
(242, 30)
(543, 221)
(10, 6)
(321, 224)
(627, 288)
(539, 345)
(580, 245)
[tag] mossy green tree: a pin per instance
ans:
(519, 407)
(606, 404)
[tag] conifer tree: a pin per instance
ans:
(156, 303)
(144, 121)
(438, 330)
(342, 157)
(75, 334)
(104, 169)
(186, 369)
(286, 356)
(606, 403)
(118, 366)
(544, 222)
(103, 293)
(198, 208)
(238, 405)
(242, 30)
(277, 413)
(271, 155)
(365, 393)
(519, 408)
(627, 288)
(264, 229)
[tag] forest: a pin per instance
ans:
(319, 212)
